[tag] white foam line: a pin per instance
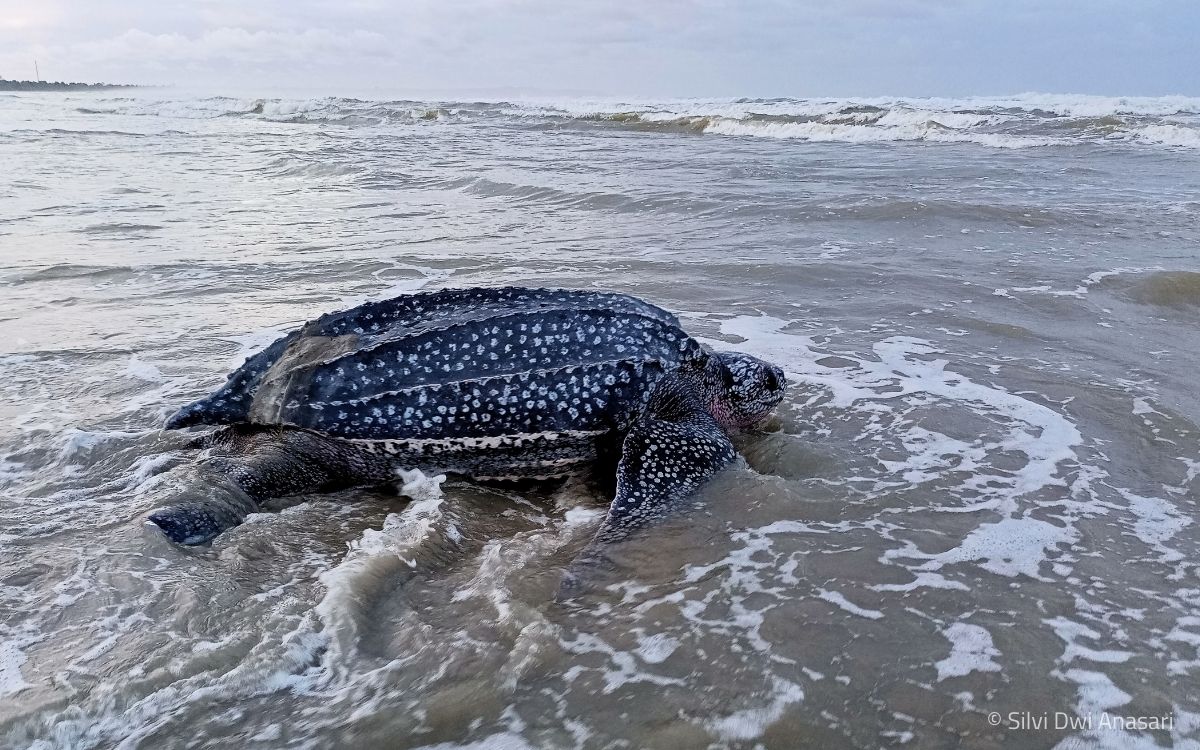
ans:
(1156, 522)
(879, 132)
(1014, 545)
(748, 724)
(376, 556)
(1097, 696)
(971, 650)
(842, 602)
(12, 658)
(1043, 435)
(1070, 632)
(143, 370)
(625, 664)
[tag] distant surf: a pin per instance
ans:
(1022, 121)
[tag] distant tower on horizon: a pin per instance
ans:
(36, 73)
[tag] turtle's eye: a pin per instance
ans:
(772, 381)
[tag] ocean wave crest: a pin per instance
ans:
(1020, 122)
(1024, 121)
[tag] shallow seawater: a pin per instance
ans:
(979, 496)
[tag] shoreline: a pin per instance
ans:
(6, 85)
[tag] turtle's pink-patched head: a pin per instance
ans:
(742, 390)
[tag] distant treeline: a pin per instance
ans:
(6, 85)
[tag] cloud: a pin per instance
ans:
(231, 45)
(656, 47)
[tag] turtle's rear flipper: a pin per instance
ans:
(673, 448)
(203, 510)
(251, 464)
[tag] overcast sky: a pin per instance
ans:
(615, 47)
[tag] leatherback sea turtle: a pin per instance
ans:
(493, 384)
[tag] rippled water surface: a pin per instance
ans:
(979, 496)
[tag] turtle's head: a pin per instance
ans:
(743, 390)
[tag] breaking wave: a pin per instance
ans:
(1024, 121)
(1169, 289)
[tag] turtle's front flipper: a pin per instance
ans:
(673, 448)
